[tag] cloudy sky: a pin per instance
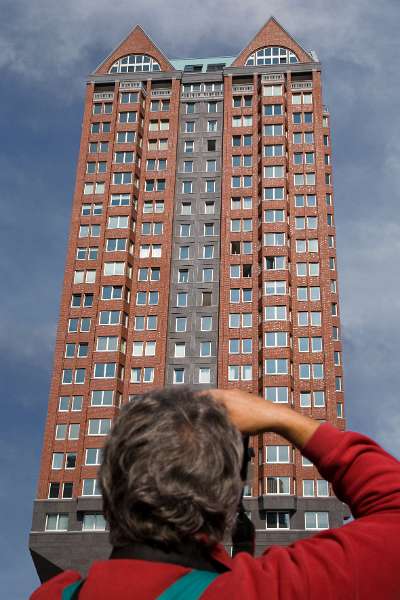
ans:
(46, 50)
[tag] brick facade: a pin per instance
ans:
(270, 231)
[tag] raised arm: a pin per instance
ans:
(358, 560)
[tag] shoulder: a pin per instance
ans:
(52, 589)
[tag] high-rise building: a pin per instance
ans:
(202, 251)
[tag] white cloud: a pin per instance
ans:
(45, 40)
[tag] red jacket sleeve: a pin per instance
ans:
(53, 588)
(360, 560)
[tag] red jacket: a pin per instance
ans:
(360, 560)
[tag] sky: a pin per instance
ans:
(47, 49)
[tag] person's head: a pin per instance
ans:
(171, 470)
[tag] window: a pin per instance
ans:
(273, 110)
(276, 366)
(101, 398)
(273, 150)
(70, 460)
(104, 127)
(276, 171)
(184, 252)
(105, 370)
(135, 62)
(65, 403)
(274, 239)
(127, 117)
(189, 146)
(186, 208)
(56, 521)
(178, 375)
(277, 520)
(278, 485)
(275, 313)
(144, 348)
(273, 130)
(184, 230)
(237, 373)
(211, 165)
(210, 186)
(107, 344)
(276, 339)
(93, 456)
(275, 288)
(179, 349)
(322, 487)
(126, 137)
(211, 145)
(277, 454)
(180, 324)
(142, 375)
(274, 263)
(204, 375)
(157, 105)
(206, 323)
(277, 394)
(208, 275)
(274, 193)
(181, 299)
(54, 489)
(141, 323)
(316, 520)
(93, 522)
(103, 108)
(114, 268)
(99, 426)
(128, 97)
(91, 487)
(212, 107)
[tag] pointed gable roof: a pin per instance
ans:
(136, 42)
(272, 34)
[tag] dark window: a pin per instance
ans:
(211, 145)
(193, 68)
(67, 490)
(206, 299)
(70, 462)
(235, 247)
(216, 67)
(246, 270)
(54, 489)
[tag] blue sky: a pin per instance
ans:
(46, 50)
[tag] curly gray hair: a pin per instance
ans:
(171, 470)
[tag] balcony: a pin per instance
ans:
(103, 96)
(249, 88)
(302, 85)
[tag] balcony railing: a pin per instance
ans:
(302, 85)
(161, 93)
(243, 88)
(103, 96)
(201, 94)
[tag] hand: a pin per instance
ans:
(252, 414)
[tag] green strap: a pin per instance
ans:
(69, 591)
(189, 587)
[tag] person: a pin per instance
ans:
(170, 480)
